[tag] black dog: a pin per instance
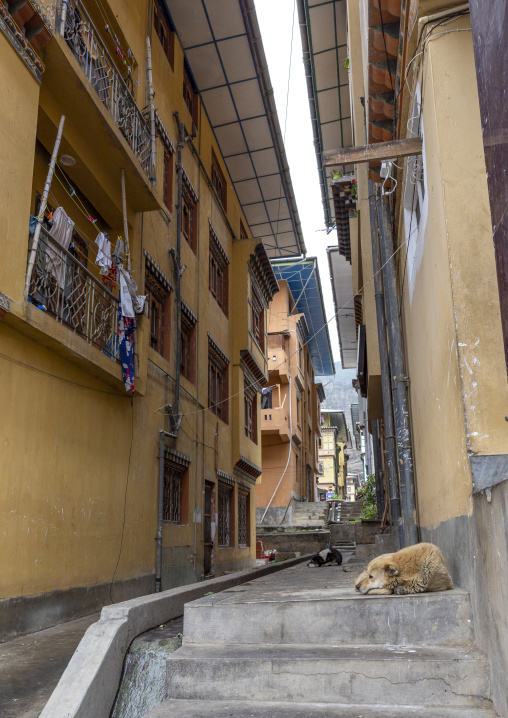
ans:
(327, 557)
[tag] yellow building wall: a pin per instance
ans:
(77, 453)
(454, 334)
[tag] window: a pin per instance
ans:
(298, 408)
(157, 291)
(243, 518)
(225, 515)
(218, 384)
(190, 94)
(219, 181)
(250, 411)
(258, 318)
(218, 275)
(243, 231)
(188, 336)
(189, 218)
(163, 30)
(321, 468)
(174, 508)
(167, 180)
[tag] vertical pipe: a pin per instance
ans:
(158, 560)
(378, 469)
(391, 454)
(399, 391)
(42, 207)
(153, 165)
(179, 168)
(129, 264)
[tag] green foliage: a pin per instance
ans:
(367, 494)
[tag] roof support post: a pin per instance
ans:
(391, 452)
(398, 374)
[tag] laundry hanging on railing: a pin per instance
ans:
(126, 328)
(132, 303)
(103, 258)
(61, 231)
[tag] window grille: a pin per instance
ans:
(225, 518)
(173, 485)
(243, 518)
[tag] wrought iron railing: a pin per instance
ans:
(80, 34)
(63, 287)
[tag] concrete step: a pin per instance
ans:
(389, 675)
(276, 709)
(338, 616)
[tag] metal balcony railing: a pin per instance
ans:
(63, 287)
(80, 34)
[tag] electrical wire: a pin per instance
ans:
(124, 501)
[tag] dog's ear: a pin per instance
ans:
(391, 570)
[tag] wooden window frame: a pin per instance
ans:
(188, 354)
(159, 299)
(190, 94)
(243, 502)
(219, 181)
(164, 31)
(189, 219)
(243, 231)
(257, 317)
(218, 387)
(225, 510)
(250, 412)
(218, 278)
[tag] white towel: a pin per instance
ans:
(103, 259)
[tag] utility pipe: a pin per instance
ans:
(437, 16)
(378, 469)
(149, 81)
(129, 264)
(398, 376)
(42, 207)
(391, 453)
(182, 139)
(158, 560)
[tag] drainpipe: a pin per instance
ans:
(378, 469)
(42, 207)
(391, 453)
(398, 375)
(175, 417)
(158, 559)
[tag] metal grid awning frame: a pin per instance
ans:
(303, 280)
(223, 49)
(329, 100)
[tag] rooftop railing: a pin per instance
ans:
(79, 32)
(66, 289)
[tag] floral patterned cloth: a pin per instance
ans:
(126, 327)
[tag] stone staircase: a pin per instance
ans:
(348, 511)
(309, 514)
(303, 644)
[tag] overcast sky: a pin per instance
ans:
(275, 20)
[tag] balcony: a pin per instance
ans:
(274, 426)
(278, 365)
(104, 128)
(68, 291)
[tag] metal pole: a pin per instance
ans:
(398, 377)
(175, 418)
(378, 469)
(129, 265)
(158, 560)
(391, 453)
(153, 164)
(42, 207)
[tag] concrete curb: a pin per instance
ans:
(88, 686)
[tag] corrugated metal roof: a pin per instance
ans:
(303, 280)
(222, 45)
(341, 277)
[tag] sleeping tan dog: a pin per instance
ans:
(414, 569)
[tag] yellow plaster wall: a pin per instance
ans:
(453, 329)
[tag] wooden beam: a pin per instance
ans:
(379, 151)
